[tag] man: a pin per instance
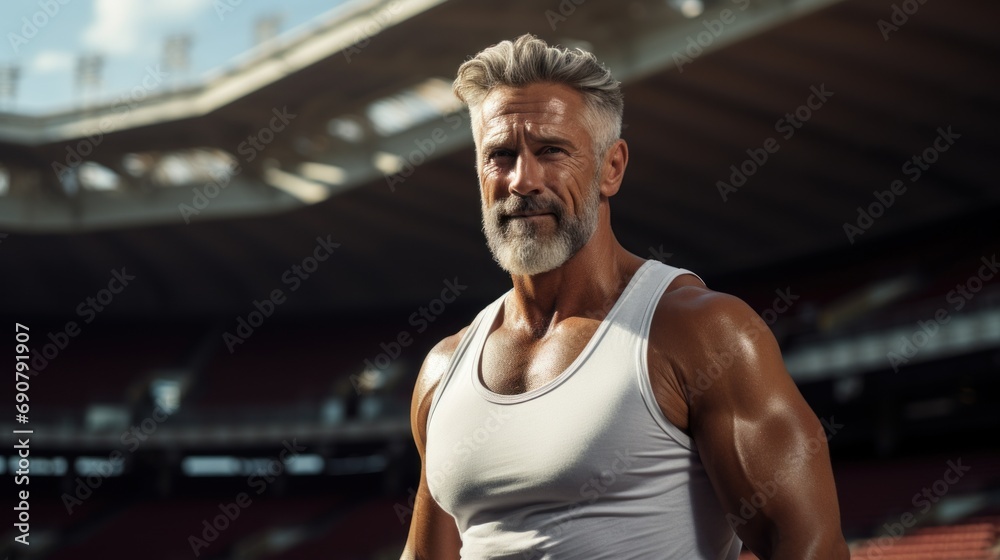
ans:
(606, 406)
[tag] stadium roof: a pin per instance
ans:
(348, 133)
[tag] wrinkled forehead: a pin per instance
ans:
(538, 109)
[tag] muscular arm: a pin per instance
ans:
(762, 446)
(433, 534)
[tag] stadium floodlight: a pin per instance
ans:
(176, 55)
(88, 74)
(266, 28)
(9, 74)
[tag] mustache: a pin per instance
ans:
(503, 210)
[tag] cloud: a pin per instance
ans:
(122, 26)
(178, 8)
(115, 28)
(52, 61)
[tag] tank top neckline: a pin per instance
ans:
(487, 325)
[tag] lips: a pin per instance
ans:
(515, 216)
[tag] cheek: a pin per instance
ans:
(489, 189)
(573, 184)
(493, 180)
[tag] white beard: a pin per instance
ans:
(521, 249)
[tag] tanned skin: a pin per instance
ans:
(749, 421)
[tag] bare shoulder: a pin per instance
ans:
(432, 371)
(691, 312)
(436, 364)
(696, 335)
(687, 302)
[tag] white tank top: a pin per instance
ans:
(585, 467)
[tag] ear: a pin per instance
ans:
(613, 171)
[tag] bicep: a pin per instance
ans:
(761, 444)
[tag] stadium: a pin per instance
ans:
(224, 282)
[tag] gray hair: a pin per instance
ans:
(529, 60)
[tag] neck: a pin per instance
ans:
(587, 285)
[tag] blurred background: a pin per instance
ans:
(230, 231)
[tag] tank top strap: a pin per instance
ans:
(635, 319)
(473, 338)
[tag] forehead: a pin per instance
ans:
(543, 108)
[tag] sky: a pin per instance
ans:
(45, 38)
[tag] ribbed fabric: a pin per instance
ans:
(585, 467)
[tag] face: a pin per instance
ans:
(538, 175)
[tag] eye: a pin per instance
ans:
(500, 154)
(552, 150)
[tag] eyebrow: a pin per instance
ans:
(554, 141)
(501, 140)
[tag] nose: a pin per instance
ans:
(527, 176)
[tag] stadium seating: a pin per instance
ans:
(967, 541)
(167, 527)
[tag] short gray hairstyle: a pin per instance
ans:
(529, 60)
